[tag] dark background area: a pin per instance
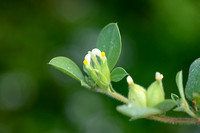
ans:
(161, 36)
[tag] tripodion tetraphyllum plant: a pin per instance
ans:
(147, 103)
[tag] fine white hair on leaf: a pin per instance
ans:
(129, 80)
(97, 52)
(158, 76)
(130, 105)
(88, 58)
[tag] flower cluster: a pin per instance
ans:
(96, 68)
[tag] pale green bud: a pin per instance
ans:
(104, 67)
(155, 92)
(102, 81)
(94, 55)
(96, 64)
(137, 94)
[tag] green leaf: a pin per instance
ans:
(175, 97)
(179, 102)
(70, 68)
(193, 82)
(179, 82)
(136, 112)
(118, 74)
(179, 109)
(166, 105)
(109, 41)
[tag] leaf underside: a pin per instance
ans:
(67, 66)
(136, 112)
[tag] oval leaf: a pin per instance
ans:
(136, 112)
(193, 84)
(179, 82)
(166, 105)
(118, 74)
(68, 67)
(109, 41)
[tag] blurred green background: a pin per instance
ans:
(159, 36)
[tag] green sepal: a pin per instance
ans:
(137, 95)
(155, 94)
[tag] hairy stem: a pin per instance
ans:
(117, 96)
(172, 120)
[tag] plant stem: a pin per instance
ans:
(188, 111)
(117, 96)
(172, 120)
(164, 119)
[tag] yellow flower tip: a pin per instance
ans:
(85, 62)
(103, 54)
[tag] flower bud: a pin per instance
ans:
(97, 69)
(104, 66)
(137, 94)
(155, 92)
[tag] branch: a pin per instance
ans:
(164, 119)
(172, 120)
(117, 96)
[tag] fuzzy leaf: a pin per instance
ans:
(70, 68)
(118, 74)
(109, 41)
(166, 105)
(192, 90)
(179, 109)
(136, 112)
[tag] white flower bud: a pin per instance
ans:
(129, 80)
(97, 69)
(97, 52)
(158, 76)
(88, 58)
